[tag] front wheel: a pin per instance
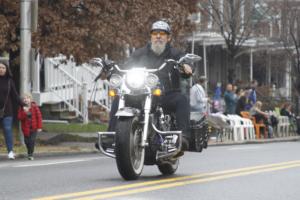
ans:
(130, 155)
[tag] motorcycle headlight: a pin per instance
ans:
(115, 80)
(151, 80)
(135, 79)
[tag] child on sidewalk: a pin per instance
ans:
(31, 123)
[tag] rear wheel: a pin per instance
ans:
(199, 142)
(206, 137)
(130, 155)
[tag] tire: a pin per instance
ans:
(168, 168)
(206, 137)
(199, 142)
(130, 155)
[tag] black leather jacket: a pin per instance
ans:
(169, 77)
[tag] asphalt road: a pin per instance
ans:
(256, 171)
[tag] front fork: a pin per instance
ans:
(147, 109)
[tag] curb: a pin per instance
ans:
(51, 154)
(83, 151)
(261, 141)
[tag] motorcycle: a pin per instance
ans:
(145, 134)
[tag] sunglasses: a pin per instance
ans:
(161, 33)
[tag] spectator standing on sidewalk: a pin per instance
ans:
(198, 97)
(217, 105)
(31, 122)
(230, 99)
(252, 97)
(8, 99)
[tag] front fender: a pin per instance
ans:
(128, 112)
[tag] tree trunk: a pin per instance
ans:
(231, 70)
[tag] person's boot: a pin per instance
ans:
(184, 144)
(184, 147)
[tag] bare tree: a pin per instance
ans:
(235, 20)
(290, 36)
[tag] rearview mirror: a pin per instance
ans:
(96, 62)
(190, 58)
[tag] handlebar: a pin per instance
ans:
(152, 70)
(107, 65)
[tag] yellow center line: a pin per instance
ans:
(184, 183)
(167, 180)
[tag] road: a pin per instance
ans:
(256, 171)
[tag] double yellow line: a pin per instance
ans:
(115, 191)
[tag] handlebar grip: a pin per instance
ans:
(180, 67)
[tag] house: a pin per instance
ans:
(246, 40)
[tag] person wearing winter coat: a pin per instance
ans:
(198, 97)
(230, 100)
(9, 98)
(31, 123)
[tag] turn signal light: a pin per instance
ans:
(112, 93)
(156, 92)
(209, 129)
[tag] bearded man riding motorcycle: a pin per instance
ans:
(154, 54)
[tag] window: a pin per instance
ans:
(196, 18)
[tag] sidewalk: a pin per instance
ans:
(80, 146)
(56, 144)
(255, 141)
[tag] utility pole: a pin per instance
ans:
(251, 64)
(205, 63)
(25, 45)
(28, 24)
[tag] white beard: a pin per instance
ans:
(158, 48)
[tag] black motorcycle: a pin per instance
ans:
(145, 134)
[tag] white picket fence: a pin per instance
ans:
(73, 85)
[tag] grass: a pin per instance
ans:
(55, 128)
(20, 149)
(73, 128)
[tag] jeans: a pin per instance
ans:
(270, 131)
(178, 103)
(30, 142)
(8, 134)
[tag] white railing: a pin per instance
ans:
(71, 84)
(97, 91)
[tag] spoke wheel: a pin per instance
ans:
(130, 155)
